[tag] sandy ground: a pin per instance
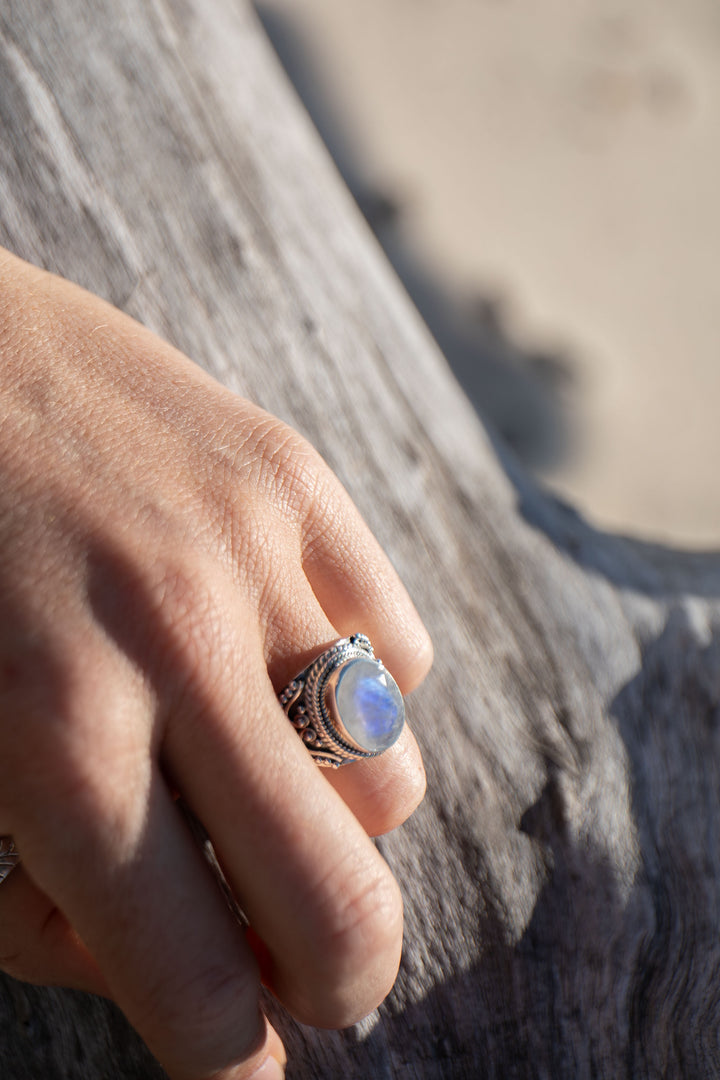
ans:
(557, 166)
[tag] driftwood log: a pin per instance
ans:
(562, 879)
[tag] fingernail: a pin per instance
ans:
(269, 1070)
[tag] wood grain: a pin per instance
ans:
(562, 879)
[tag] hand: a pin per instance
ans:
(171, 556)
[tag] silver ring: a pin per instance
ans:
(9, 857)
(345, 705)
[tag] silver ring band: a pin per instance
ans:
(345, 705)
(9, 857)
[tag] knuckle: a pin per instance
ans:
(12, 951)
(33, 935)
(190, 611)
(368, 915)
(291, 469)
(359, 950)
(401, 787)
(92, 794)
(49, 706)
(203, 1024)
(196, 648)
(16, 965)
(191, 622)
(78, 748)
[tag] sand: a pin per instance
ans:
(558, 172)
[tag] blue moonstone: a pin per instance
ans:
(370, 704)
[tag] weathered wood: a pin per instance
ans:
(562, 879)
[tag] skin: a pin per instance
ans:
(171, 556)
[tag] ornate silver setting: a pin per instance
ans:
(309, 702)
(9, 857)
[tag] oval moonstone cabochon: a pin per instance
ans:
(370, 705)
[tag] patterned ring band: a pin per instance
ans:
(9, 857)
(345, 705)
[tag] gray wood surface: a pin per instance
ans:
(562, 879)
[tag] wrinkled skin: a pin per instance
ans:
(170, 556)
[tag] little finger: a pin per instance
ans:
(37, 943)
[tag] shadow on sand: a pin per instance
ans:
(522, 396)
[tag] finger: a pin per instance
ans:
(359, 589)
(381, 792)
(37, 943)
(313, 886)
(130, 879)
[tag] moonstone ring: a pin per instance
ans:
(345, 705)
(9, 856)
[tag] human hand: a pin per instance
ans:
(171, 556)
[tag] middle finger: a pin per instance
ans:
(311, 883)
